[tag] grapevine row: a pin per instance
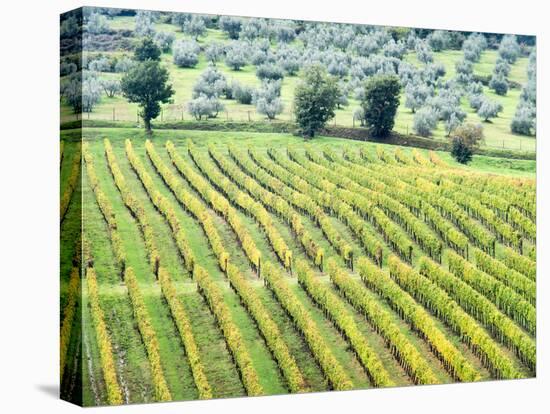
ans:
(343, 319)
(179, 315)
(342, 200)
(248, 295)
(333, 371)
(148, 335)
(206, 286)
(135, 208)
(483, 310)
(72, 182)
(520, 263)
(273, 202)
(73, 293)
(438, 302)
(114, 393)
(360, 197)
(277, 178)
(247, 204)
(389, 186)
(419, 319)
(407, 355)
(218, 203)
(520, 283)
(334, 205)
(511, 303)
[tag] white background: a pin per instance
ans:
(29, 200)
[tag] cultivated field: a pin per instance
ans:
(262, 264)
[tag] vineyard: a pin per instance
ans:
(213, 268)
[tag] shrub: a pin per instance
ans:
(465, 140)
(425, 121)
(186, 53)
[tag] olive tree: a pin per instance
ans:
(236, 56)
(91, 93)
(231, 26)
(211, 83)
(524, 120)
(416, 94)
(204, 107)
(214, 52)
(97, 24)
(425, 121)
(489, 109)
(424, 52)
(165, 40)
(111, 87)
(194, 27)
(186, 53)
(499, 84)
(269, 71)
(242, 93)
(439, 40)
(145, 23)
(509, 49)
(267, 101)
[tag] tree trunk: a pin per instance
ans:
(147, 124)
